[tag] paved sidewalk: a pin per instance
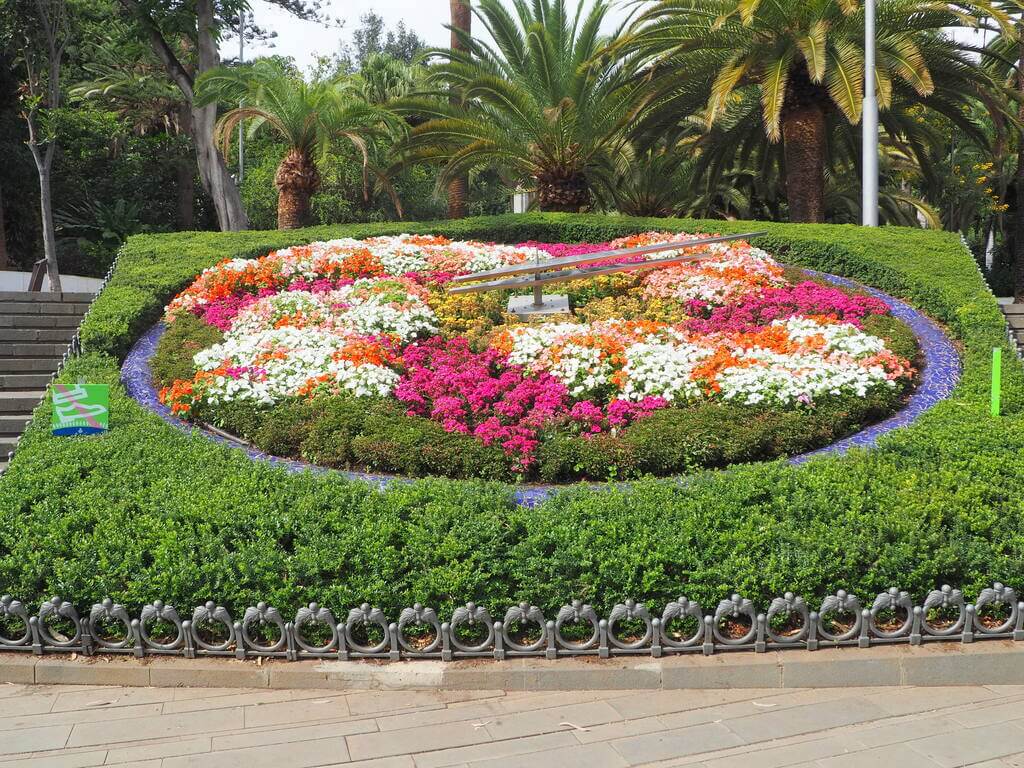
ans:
(66, 726)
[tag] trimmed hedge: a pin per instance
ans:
(148, 512)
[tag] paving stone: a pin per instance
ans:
(175, 748)
(255, 737)
(804, 719)
(74, 760)
(413, 740)
(301, 754)
(891, 754)
(288, 676)
(675, 743)
(973, 745)
(110, 699)
(480, 710)
(297, 712)
(551, 719)
(905, 701)
(781, 700)
(34, 739)
(905, 730)
(72, 717)
(990, 715)
(620, 730)
(588, 756)
(789, 754)
(651, 703)
(30, 704)
(529, 745)
(241, 698)
(141, 728)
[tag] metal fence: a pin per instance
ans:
(630, 628)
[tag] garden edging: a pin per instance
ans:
(993, 663)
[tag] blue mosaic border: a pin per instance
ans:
(939, 377)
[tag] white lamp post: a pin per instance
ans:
(869, 123)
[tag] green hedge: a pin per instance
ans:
(148, 512)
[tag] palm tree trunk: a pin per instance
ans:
(563, 192)
(1018, 266)
(186, 166)
(458, 188)
(803, 139)
(297, 180)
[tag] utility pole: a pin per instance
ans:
(869, 123)
(241, 123)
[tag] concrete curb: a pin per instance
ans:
(939, 664)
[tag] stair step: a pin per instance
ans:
(24, 381)
(12, 426)
(40, 321)
(7, 445)
(1012, 309)
(27, 364)
(74, 297)
(20, 401)
(28, 349)
(42, 308)
(35, 334)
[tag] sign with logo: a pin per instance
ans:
(81, 409)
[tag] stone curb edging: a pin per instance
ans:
(998, 662)
(938, 379)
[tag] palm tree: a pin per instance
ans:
(541, 105)
(461, 28)
(308, 117)
(803, 61)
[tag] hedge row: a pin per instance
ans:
(148, 512)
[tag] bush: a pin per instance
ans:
(149, 512)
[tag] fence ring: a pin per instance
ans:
(57, 607)
(263, 614)
(525, 613)
(681, 609)
(577, 611)
(418, 615)
(11, 607)
(364, 615)
(472, 614)
(212, 613)
(944, 598)
(108, 609)
(315, 614)
(158, 610)
(630, 610)
(789, 604)
(840, 602)
(997, 594)
(735, 607)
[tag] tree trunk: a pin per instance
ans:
(297, 180)
(803, 141)
(185, 169)
(44, 164)
(4, 258)
(213, 171)
(1018, 265)
(565, 192)
(458, 188)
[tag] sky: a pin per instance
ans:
(304, 41)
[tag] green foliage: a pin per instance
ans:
(179, 344)
(147, 511)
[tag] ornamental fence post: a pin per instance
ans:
(136, 627)
(86, 637)
(603, 651)
(1018, 630)
(864, 641)
(812, 631)
(190, 642)
(239, 641)
(968, 635)
(446, 642)
(395, 653)
(552, 651)
(342, 646)
(656, 637)
(915, 630)
(760, 646)
(499, 641)
(709, 636)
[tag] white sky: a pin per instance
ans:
(304, 41)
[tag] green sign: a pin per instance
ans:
(81, 409)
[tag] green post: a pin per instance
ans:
(997, 370)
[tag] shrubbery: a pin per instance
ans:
(148, 512)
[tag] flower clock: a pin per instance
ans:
(353, 354)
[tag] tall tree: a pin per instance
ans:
(804, 60)
(461, 28)
(540, 104)
(45, 29)
(4, 259)
(308, 117)
(1018, 283)
(199, 21)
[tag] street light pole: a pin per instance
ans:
(241, 126)
(869, 123)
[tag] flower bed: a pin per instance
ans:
(352, 354)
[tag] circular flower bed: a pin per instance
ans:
(353, 354)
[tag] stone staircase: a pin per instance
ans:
(35, 330)
(1015, 320)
